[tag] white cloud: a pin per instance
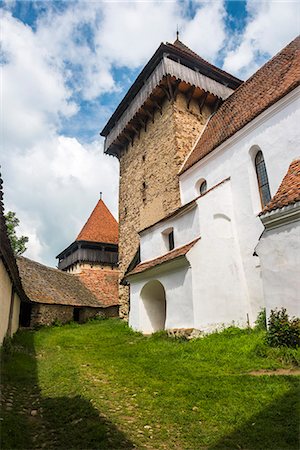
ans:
(131, 32)
(34, 94)
(54, 188)
(271, 26)
(206, 33)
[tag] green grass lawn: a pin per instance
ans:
(102, 386)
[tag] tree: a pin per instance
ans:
(18, 243)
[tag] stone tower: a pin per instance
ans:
(152, 131)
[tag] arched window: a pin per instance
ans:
(203, 187)
(262, 178)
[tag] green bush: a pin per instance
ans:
(283, 331)
(261, 321)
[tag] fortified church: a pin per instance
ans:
(209, 201)
(209, 207)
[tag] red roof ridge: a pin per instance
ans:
(169, 256)
(101, 226)
(275, 79)
(288, 192)
(184, 48)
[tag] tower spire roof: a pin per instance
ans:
(101, 226)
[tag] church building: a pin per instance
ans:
(201, 155)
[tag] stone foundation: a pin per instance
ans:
(185, 333)
(42, 314)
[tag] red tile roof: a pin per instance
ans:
(103, 283)
(184, 49)
(289, 190)
(101, 226)
(269, 84)
(170, 256)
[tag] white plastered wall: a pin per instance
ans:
(185, 227)
(5, 300)
(177, 282)
(16, 314)
(277, 133)
(220, 294)
(279, 253)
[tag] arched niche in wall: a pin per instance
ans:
(222, 226)
(153, 296)
(201, 187)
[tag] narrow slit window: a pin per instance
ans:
(262, 179)
(171, 240)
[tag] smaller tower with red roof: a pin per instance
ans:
(96, 246)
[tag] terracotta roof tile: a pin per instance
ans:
(170, 256)
(103, 283)
(44, 284)
(185, 49)
(269, 84)
(101, 226)
(289, 190)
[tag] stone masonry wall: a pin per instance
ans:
(47, 314)
(149, 184)
(91, 313)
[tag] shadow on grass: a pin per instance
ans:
(29, 420)
(268, 430)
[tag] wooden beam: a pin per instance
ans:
(165, 91)
(117, 149)
(170, 88)
(129, 138)
(202, 101)
(137, 132)
(143, 122)
(176, 90)
(155, 103)
(149, 113)
(189, 96)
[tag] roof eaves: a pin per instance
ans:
(187, 59)
(184, 208)
(281, 216)
(167, 257)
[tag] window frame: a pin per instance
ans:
(171, 243)
(262, 179)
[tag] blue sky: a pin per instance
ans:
(67, 65)
(30, 13)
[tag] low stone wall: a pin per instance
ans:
(42, 314)
(48, 314)
(92, 313)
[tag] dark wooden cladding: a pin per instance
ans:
(90, 256)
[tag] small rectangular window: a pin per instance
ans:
(171, 240)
